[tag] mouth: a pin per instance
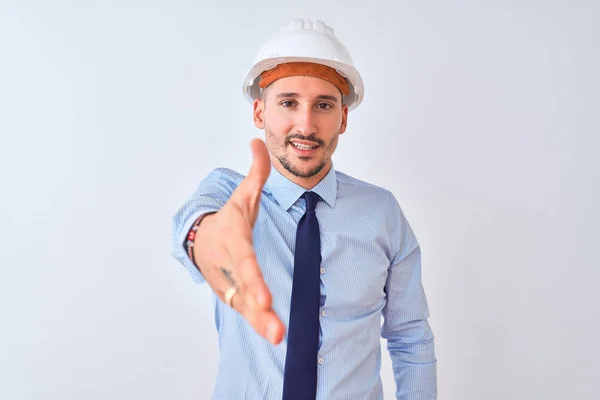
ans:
(304, 148)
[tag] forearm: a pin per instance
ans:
(180, 239)
(410, 340)
(212, 193)
(412, 352)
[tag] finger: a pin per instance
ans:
(241, 253)
(221, 280)
(267, 324)
(264, 321)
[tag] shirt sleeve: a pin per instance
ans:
(210, 195)
(410, 340)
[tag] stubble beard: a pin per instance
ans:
(288, 165)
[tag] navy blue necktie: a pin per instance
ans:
(300, 375)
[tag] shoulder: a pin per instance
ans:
(377, 205)
(222, 181)
(351, 186)
(381, 201)
(365, 194)
(224, 175)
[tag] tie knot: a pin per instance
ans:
(311, 200)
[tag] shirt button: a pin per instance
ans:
(322, 271)
(321, 360)
(323, 313)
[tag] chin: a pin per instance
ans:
(302, 167)
(306, 171)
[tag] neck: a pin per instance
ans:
(306, 183)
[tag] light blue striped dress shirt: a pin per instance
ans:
(371, 268)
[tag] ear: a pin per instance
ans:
(344, 118)
(259, 118)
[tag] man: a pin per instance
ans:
(304, 260)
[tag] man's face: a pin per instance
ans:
(303, 117)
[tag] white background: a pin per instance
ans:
(481, 117)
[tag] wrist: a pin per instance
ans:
(190, 241)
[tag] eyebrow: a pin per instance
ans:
(294, 95)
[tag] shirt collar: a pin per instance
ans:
(286, 192)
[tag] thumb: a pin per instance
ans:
(247, 195)
(261, 163)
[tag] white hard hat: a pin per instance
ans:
(305, 41)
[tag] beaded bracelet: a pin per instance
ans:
(189, 244)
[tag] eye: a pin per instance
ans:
(287, 103)
(324, 106)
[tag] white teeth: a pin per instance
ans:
(303, 147)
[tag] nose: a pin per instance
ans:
(305, 122)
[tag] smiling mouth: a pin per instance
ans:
(304, 146)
